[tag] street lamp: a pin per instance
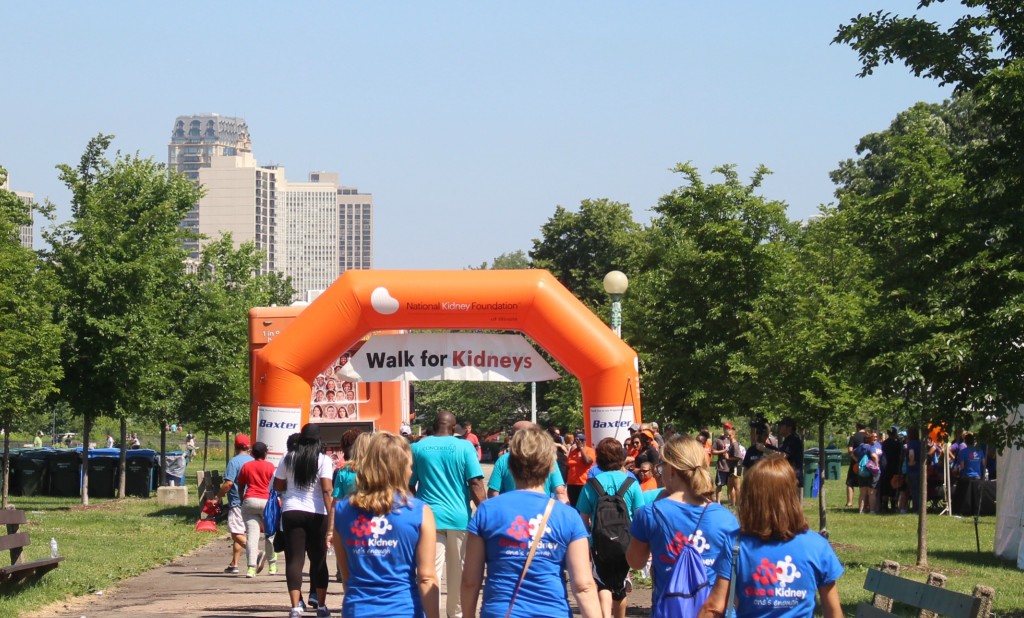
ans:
(615, 284)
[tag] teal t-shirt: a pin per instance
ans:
(502, 482)
(442, 467)
(611, 481)
(344, 482)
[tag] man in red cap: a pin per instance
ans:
(236, 524)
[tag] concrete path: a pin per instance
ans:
(195, 586)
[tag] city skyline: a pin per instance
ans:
(470, 123)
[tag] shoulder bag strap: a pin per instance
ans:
(529, 557)
(596, 486)
(730, 607)
(625, 485)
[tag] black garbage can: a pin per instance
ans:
(30, 470)
(65, 471)
(138, 476)
(102, 477)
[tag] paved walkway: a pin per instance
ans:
(195, 586)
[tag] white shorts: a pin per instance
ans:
(236, 525)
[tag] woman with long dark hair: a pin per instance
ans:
(303, 479)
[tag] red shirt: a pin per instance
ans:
(475, 441)
(254, 479)
(578, 470)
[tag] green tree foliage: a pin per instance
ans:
(118, 259)
(707, 258)
(516, 260)
(29, 339)
(212, 327)
(988, 37)
(490, 406)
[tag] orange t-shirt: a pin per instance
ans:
(578, 470)
(649, 483)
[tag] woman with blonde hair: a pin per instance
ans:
(686, 513)
(504, 533)
(781, 562)
(387, 557)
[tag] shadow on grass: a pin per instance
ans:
(985, 558)
(188, 514)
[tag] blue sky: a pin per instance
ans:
(468, 121)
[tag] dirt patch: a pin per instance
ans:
(931, 569)
(99, 506)
(846, 547)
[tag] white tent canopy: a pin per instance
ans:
(1009, 542)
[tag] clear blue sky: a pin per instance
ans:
(468, 121)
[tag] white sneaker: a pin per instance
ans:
(295, 613)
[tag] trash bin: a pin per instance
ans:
(30, 470)
(834, 460)
(65, 471)
(102, 477)
(138, 476)
(810, 472)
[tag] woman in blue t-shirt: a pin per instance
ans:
(782, 564)
(387, 565)
(502, 533)
(662, 528)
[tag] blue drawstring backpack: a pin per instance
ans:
(687, 587)
(272, 514)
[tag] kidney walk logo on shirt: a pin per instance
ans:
(675, 546)
(522, 533)
(772, 584)
(368, 535)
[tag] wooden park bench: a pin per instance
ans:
(930, 598)
(15, 542)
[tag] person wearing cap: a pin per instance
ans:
(580, 458)
(648, 450)
(236, 523)
(304, 478)
(792, 446)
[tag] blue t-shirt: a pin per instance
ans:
(381, 552)
(611, 481)
(442, 467)
(913, 445)
(231, 474)
(866, 449)
(713, 540)
(344, 482)
(652, 494)
(779, 579)
(969, 461)
(507, 523)
(502, 482)
(595, 470)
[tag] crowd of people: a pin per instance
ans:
(556, 517)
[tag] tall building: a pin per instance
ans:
(311, 231)
(25, 232)
(195, 141)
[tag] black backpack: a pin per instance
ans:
(609, 531)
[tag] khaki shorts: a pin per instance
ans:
(236, 524)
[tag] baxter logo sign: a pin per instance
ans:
(610, 422)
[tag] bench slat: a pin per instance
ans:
(916, 594)
(12, 516)
(867, 610)
(23, 570)
(11, 541)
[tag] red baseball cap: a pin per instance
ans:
(727, 425)
(241, 441)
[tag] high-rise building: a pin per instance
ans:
(195, 141)
(25, 232)
(311, 231)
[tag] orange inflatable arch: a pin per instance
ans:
(363, 301)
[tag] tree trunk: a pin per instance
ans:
(922, 504)
(163, 454)
(122, 458)
(822, 469)
(227, 452)
(7, 465)
(206, 446)
(86, 432)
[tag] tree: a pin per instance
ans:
(707, 257)
(806, 334)
(29, 338)
(976, 45)
(516, 260)
(490, 406)
(117, 260)
(211, 325)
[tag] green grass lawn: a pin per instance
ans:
(101, 544)
(864, 541)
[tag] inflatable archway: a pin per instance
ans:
(362, 301)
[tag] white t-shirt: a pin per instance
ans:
(308, 499)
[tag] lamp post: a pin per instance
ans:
(615, 284)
